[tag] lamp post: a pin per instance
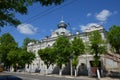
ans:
(71, 69)
(86, 43)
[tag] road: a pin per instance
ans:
(33, 76)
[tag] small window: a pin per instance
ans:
(63, 33)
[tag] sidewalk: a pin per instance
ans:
(85, 77)
(68, 76)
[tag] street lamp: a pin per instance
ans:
(71, 69)
(86, 52)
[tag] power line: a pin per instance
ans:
(48, 11)
(30, 19)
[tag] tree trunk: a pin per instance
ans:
(11, 69)
(60, 72)
(98, 74)
(75, 72)
(46, 71)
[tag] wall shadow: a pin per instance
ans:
(65, 71)
(82, 70)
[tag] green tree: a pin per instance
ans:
(114, 38)
(26, 41)
(13, 58)
(75, 63)
(19, 57)
(11, 55)
(97, 46)
(25, 57)
(77, 46)
(77, 50)
(62, 51)
(8, 9)
(7, 43)
(47, 56)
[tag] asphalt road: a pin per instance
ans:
(38, 77)
(34, 76)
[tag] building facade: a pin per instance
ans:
(84, 60)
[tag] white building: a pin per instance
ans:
(106, 60)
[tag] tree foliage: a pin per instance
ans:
(97, 46)
(25, 57)
(62, 50)
(77, 46)
(114, 38)
(20, 57)
(75, 61)
(47, 55)
(7, 39)
(7, 43)
(8, 8)
(26, 41)
(11, 54)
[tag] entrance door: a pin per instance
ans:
(93, 68)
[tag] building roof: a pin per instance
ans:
(61, 30)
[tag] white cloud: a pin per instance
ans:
(103, 15)
(83, 27)
(89, 14)
(26, 29)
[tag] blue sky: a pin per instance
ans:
(40, 21)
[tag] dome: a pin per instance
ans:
(62, 24)
(61, 30)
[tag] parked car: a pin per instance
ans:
(37, 70)
(20, 70)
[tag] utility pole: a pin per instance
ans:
(71, 69)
